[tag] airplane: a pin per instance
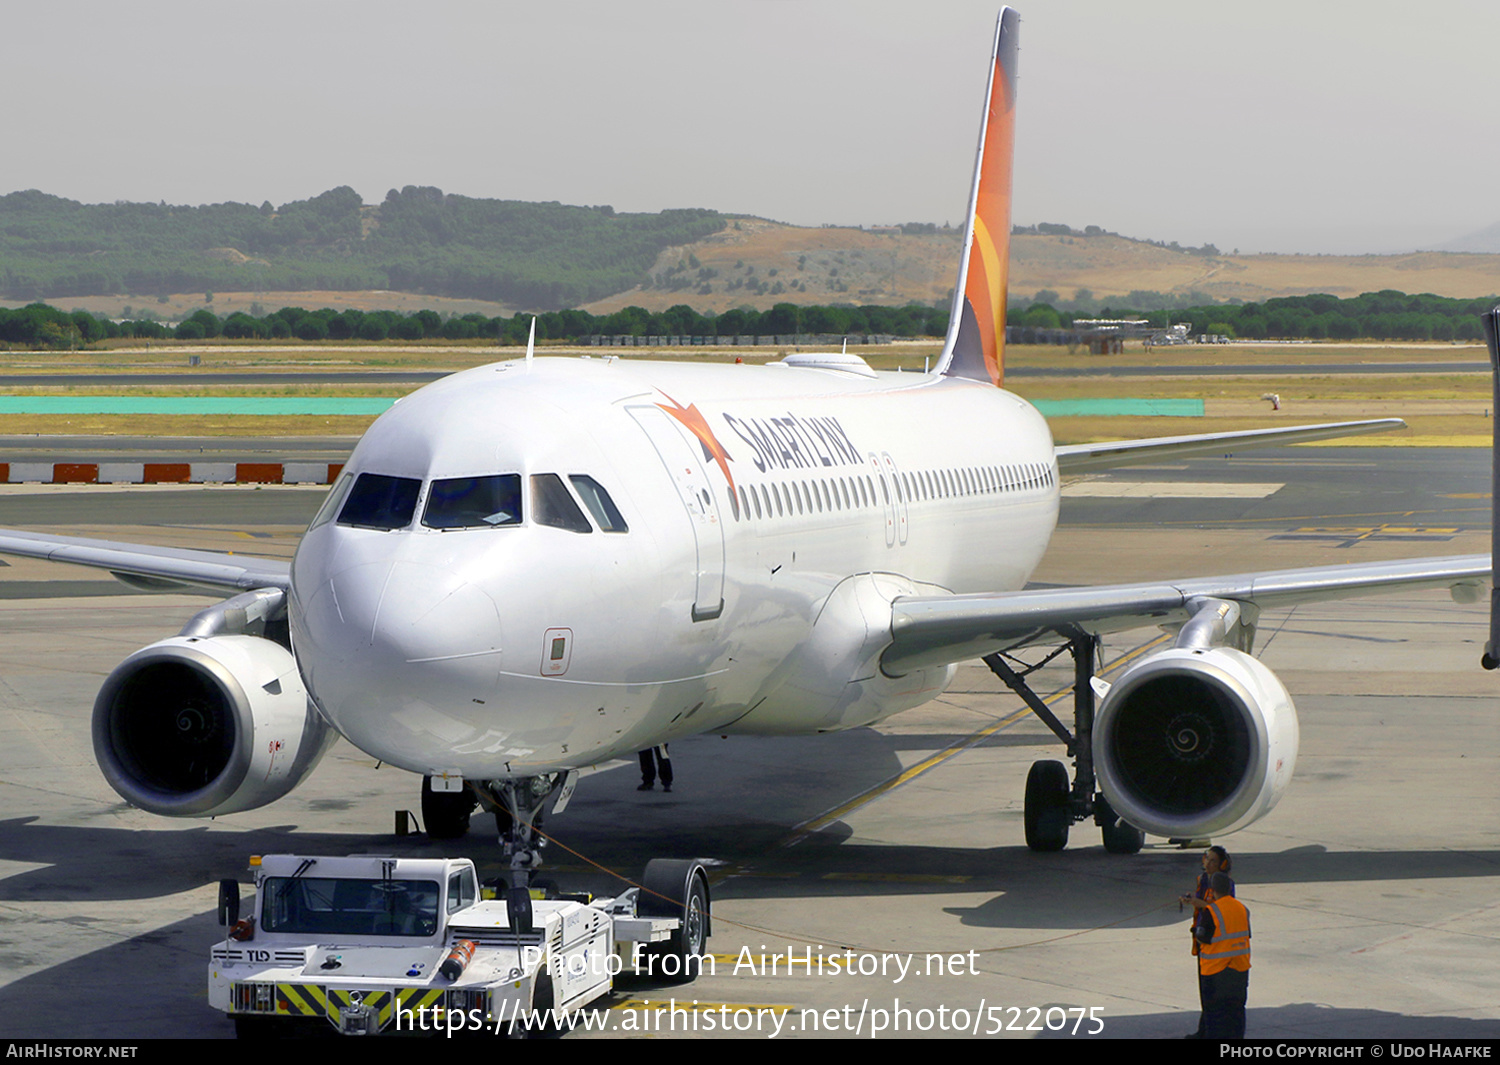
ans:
(533, 567)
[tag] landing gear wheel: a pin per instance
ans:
(445, 814)
(1047, 815)
(1120, 837)
(677, 889)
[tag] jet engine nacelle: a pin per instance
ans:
(202, 726)
(1195, 743)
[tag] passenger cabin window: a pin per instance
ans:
(601, 506)
(474, 502)
(552, 505)
(381, 502)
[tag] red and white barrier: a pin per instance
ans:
(169, 472)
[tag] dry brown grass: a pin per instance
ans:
(182, 425)
(1187, 357)
(1440, 407)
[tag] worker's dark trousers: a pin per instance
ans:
(652, 760)
(1224, 994)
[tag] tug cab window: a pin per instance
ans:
(600, 505)
(474, 502)
(335, 906)
(378, 501)
(462, 890)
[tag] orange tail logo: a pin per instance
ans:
(976, 336)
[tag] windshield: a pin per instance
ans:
(378, 501)
(325, 906)
(474, 502)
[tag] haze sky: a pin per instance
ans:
(1276, 126)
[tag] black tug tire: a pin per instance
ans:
(672, 888)
(254, 1028)
(445, 814)
(543, 1000)
(1046, 812)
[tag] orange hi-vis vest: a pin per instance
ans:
(1208, 896)
(1230, 945)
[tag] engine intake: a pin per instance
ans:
(202, 726)
(1195, 742)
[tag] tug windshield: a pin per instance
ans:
(325, 906)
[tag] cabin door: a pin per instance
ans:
(683, 459)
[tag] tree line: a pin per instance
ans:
(44, 326)
(1384, 315)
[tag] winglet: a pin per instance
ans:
(975, 345)
(531, 341)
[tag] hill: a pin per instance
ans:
(758, 263)
(418, 240)
(892, 266)
(458, 255)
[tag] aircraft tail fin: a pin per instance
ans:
(975, 345)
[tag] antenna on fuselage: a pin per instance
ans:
(531, 341)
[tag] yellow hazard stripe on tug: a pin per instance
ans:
(379, 1001)
(301, 1000)
(312, 1000)
(414, 998)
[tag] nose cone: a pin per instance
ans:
(400, 655)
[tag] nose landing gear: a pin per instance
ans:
(520, 806)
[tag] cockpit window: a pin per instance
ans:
(552, 505)
(333, 500)
(381, 502)
(474, 502)
(600, 505)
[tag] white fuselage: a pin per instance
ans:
(525, 648)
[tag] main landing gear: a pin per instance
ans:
(1052, 803)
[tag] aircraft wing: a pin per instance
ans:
(935, 630)
(153, 567)
(1081, 458)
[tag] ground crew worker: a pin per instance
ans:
(654, 760)
(1223, 934)
(1215, 860)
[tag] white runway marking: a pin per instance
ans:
(1166, 490)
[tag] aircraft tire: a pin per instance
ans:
(445, 814)
(1120, 837)
(1046, 812)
